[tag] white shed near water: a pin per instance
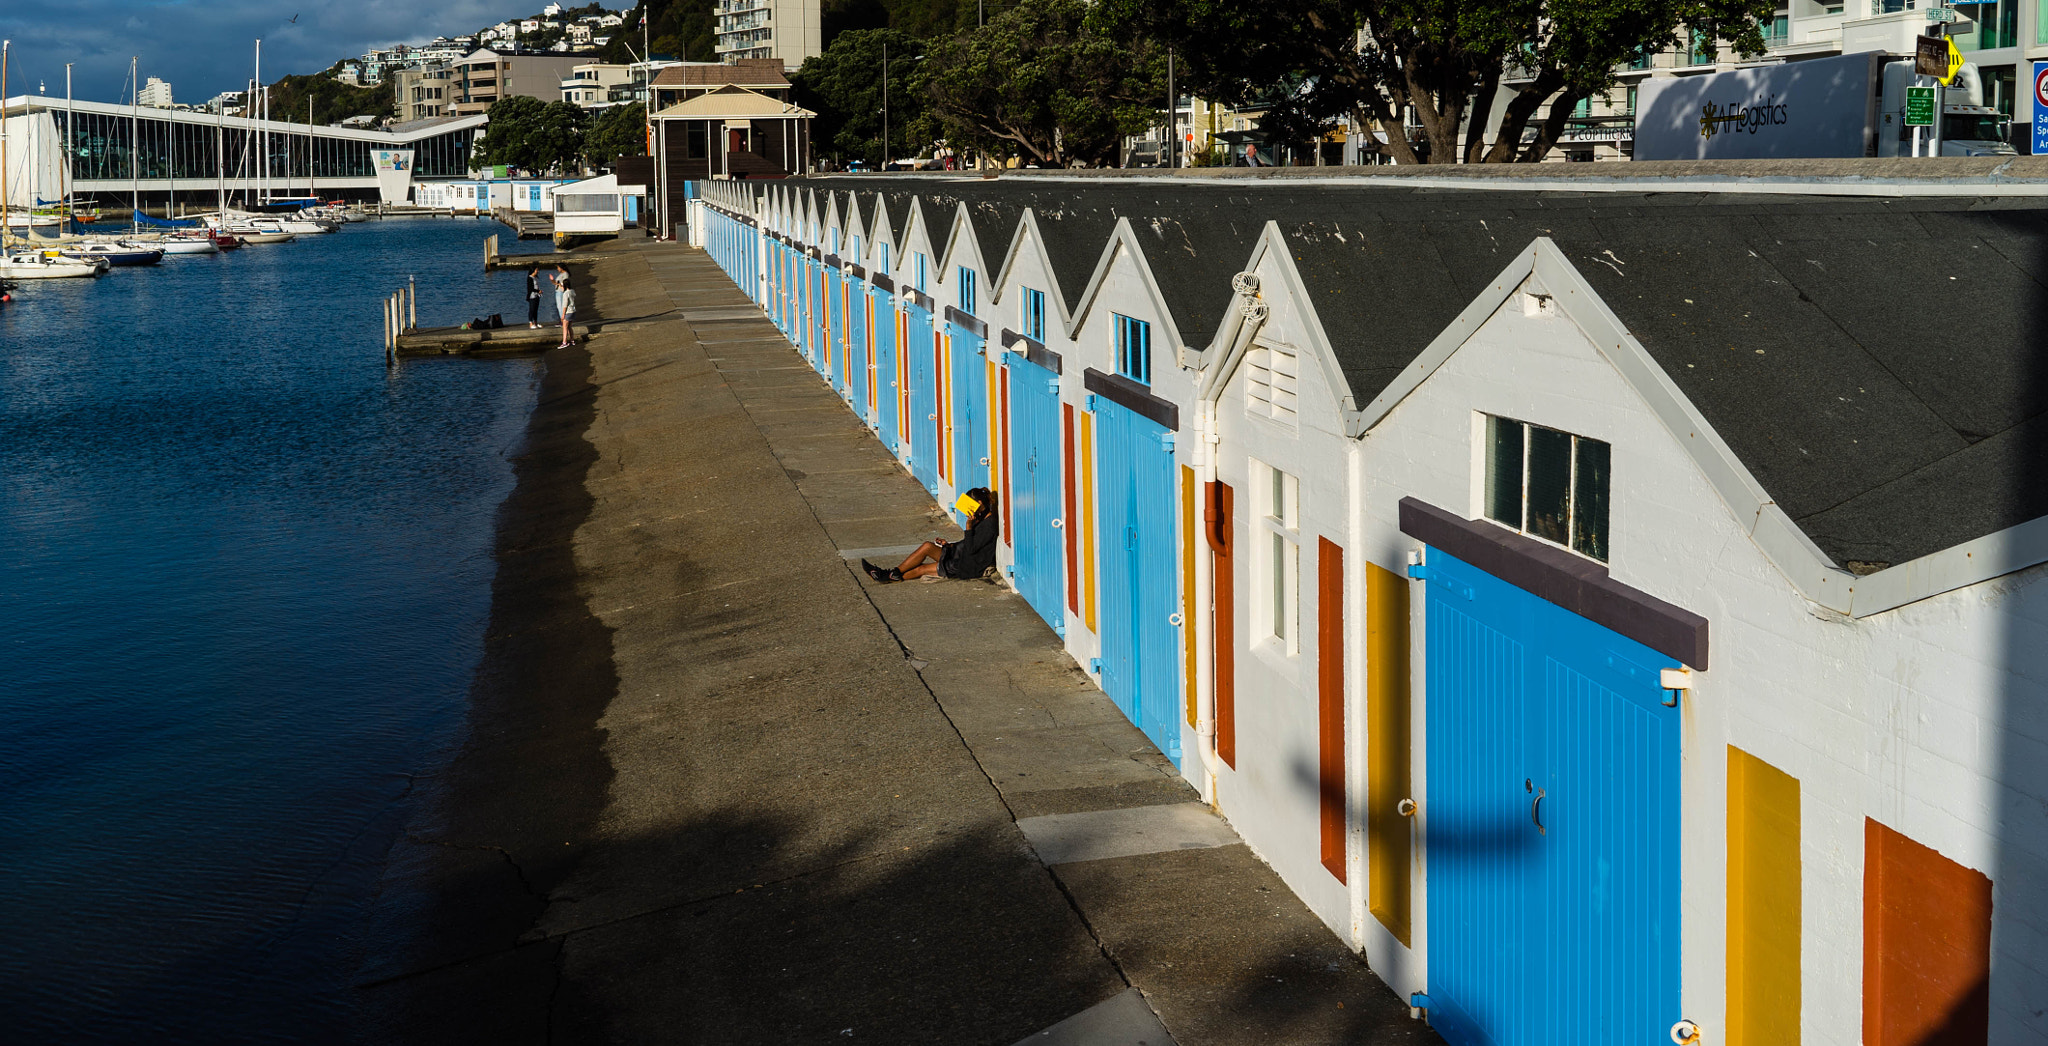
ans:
(595, 207)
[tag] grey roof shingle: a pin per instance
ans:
(1879, 365)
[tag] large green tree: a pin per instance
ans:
(332, 101)
(676, 28)
(1041, 80)
(619, 131)
(534, 135)
(1444, 60)
(843, 85)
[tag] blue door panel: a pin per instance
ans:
(1035, 488)
(885, 367)
(1553, 820)
(1137, 549)
(968, 390)
(858, 318)
(922, 424)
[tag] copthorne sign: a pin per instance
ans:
(1821, 107)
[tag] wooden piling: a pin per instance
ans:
(412, 304)
(490, 251)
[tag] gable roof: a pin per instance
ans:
(753, 72)
(1888, 410)
(734, 103)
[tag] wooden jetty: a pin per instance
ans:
(509, 340)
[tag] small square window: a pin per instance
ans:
(1133, 349)
(1549, 484)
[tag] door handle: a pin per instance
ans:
(1536, 812)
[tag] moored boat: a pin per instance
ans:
(115, 254)
(45, 265)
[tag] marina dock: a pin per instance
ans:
(503, 341)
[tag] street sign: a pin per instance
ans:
(1919, 106)
(2041, 108)
(1930, 55)
(1937, 56)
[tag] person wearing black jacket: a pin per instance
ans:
(533, 297)
(968, 557)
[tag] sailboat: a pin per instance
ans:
(26, 263)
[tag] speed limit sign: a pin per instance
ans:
(2040, 109)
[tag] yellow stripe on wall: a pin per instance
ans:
(1388, 838)
(1187, 586)
(1087, 520)
(1763, 903)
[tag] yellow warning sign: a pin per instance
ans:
(1955, 60)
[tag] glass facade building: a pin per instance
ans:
(105, 146)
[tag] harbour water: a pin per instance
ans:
(244, 576)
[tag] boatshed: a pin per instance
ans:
(1617, 615)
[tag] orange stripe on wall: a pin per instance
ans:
(1330, 702)
(1223, 615)
(1926, 945)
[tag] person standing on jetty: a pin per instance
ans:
(565, 304)
(533, 296)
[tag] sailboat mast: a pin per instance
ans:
(262, 141)
(134, 146)
(6, 229)
(70, 138)
(220, 156)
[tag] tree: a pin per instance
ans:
(333, 101)
(527, 133)
(1446, 60)
(677, 28)
(843, 85)
(1041, 80)
(620, 131)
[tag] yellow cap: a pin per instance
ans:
(967, 506)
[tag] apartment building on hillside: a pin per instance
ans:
(483, 77)
(788, 31)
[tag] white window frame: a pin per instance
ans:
(1276, 559)
(1482, 502)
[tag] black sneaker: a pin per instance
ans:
(881, 576)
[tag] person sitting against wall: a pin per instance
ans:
(969, 557)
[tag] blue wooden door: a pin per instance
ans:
(887, 386)
(922, 426)
(859, 358)
(968, 391)
(1036, 487)
(1137, 549)
(1552, 822)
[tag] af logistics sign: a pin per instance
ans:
(2041, 108)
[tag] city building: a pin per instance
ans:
(423, 92)
(200, 155)
(1619, 625)
(483, 77)
(155, 93)
(591, 84)
(788, 31)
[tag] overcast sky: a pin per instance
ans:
(204, 47)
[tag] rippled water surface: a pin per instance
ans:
(244, 576)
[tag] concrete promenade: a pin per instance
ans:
(721, 788)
